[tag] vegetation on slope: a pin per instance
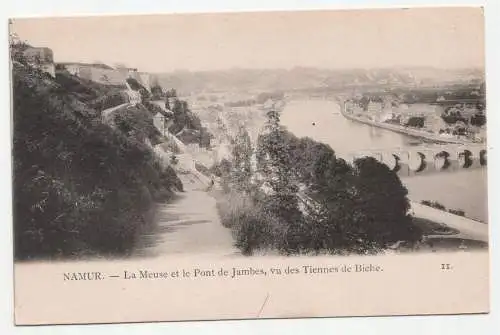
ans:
(80, 186)
(308, 200)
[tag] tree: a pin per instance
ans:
(416, 121)
(156, 92)
(478, 119)
(172, 93)
(353, 212)
(275, 162)
(381, 204)
(242, 167)
(180, 118)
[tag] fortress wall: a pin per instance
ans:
(105, 76)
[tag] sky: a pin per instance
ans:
(437, 37)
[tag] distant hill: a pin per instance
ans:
(304, 78)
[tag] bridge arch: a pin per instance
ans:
(417, 161)
(482, 157)
(397, 163)
(442, 160)
(391, 160)
(465, 159)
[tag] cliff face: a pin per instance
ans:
(81, 187)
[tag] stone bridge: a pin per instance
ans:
(425, 159)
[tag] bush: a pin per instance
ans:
(433, 204)
(416, 122)
(252, 225)
(478, 119)
(458, 212)
(138, 123)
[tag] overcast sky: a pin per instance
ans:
(445, 38)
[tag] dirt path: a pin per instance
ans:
(189, 224)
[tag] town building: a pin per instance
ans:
(374, 107)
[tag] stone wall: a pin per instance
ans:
(103, 76)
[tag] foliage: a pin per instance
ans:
(458, 212)
(110, 100)
(433, 204)
(137, 124)
(136, 86)
(314, 201)
(478, 119)
(156, 92)
(453, 115)
(184, 118)
(241, 156)
(171, 93)
(152, 108)
(96, 95)
(437, 205)
(80, 187)
(416, 122)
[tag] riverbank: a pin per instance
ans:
(467, 229)
(406, 130)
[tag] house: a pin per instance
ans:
(374, 107)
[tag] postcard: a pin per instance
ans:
(249, 165)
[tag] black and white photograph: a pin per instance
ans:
(226, 152)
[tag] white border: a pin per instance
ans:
(479, 324)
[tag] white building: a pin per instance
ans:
(374, 107)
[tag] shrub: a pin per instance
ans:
(458, 212)
(433, 204)
(253, 226)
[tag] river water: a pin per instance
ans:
(321, 120)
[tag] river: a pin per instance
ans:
(321, 120)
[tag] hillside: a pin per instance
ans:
(81, 187)
(305, 78)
